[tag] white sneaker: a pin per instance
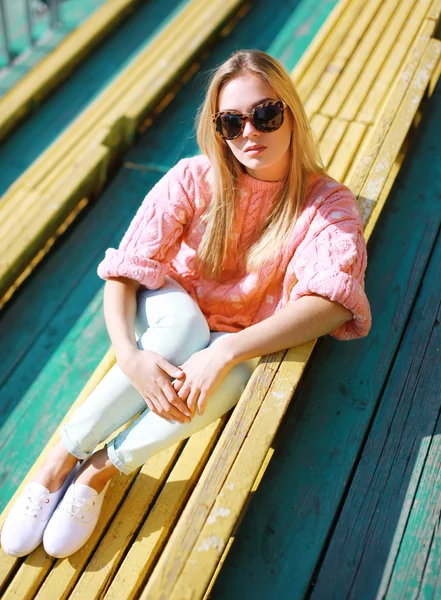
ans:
(24, 526)
(73, 522)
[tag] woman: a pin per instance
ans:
(244, 250)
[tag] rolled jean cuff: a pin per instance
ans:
(114, 458)
(70, 446)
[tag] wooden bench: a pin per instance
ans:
(35, 87)
(165, 530)
(48, 196)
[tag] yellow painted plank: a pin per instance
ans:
(393, 141)
(331, 139)
(371, 68)
(379, 89)
(102, 123)
(197, 509)
(87, 171)
(80, 133)
(49, 213)
(435, 10)
(361, 61)
(339, 60)
(48, 74)
(159, 523)
(319, 124)
(347, 150)
(123, 525)
(233, 495)
(307, 79)
(388, 113)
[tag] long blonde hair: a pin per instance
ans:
(226, 169)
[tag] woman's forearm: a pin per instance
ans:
(304, 320)
(120, 313)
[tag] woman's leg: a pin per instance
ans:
(149, 434)
(168, 322)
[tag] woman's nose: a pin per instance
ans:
(249, 129)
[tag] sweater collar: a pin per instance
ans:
(252, 183)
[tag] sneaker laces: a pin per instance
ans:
(34, 504)
(74, 507)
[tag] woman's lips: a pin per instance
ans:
(255, 151)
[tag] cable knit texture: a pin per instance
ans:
(326, 254)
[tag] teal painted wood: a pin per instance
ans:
(393, 471)
(279, 544)
(72, 14)
(48, 355)
(301, 27)
(36, 134)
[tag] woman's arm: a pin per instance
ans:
(304, 320)
(148, 371)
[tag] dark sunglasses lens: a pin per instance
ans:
(229, 125)
(268, 118)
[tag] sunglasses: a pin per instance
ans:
(266, 117)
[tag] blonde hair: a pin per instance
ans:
(226, 169)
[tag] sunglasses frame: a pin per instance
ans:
(245, 116)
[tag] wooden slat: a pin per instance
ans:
(319, 124)
(337, 64)
(346, 152)
(197, 509)
(387, 57)
(51, 71)
(213, 537)
(388, 113)
(363, 58)
(307, 80)
(331, 139)
(106, 124)
(22, 243)
(394, 139)
(378, 92)
(152, 537)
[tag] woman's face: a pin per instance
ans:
(243, 93)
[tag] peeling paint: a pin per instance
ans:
(218, 512)
(211, 542)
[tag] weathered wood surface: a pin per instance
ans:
(28, 93)
(288, 527)
(257, 459)
(107, 126)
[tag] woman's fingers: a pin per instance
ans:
(170, 410)
(174, 399)
(192, 400)
(169, 368)
(155, 407)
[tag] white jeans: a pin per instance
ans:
(170, 323)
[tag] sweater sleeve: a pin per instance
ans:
(154, 236)
(331, 261)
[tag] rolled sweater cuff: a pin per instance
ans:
(346, 290)
(118, 263)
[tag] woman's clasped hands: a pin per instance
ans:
(204, 371)
(194, 381)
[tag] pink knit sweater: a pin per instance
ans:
(326, 254)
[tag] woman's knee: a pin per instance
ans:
(180, 332)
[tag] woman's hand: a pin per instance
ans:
(204, 372)
(148, 372)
